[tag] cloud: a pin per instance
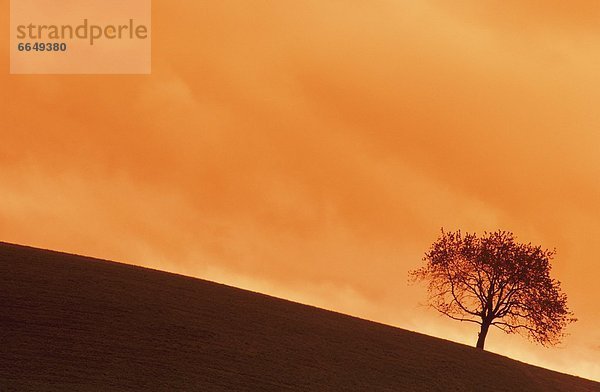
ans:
(313, 150)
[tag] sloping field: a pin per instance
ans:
(73, 323)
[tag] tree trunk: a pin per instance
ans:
(485, 326)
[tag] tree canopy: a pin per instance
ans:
(493, 280)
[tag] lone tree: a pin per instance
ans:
(493, 280)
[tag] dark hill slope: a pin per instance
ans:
(73, 323)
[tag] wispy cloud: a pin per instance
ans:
(313, 150)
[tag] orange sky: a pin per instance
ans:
(312, 150)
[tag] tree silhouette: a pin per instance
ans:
(494, 281)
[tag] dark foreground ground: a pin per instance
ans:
(71, 323)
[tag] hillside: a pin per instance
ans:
(81, 324)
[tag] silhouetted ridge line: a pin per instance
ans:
(77, 323)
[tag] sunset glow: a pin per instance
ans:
(313, 150)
